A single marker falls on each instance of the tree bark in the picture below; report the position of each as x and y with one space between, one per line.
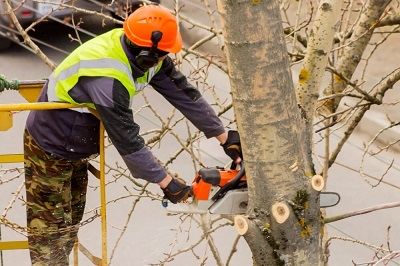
271 130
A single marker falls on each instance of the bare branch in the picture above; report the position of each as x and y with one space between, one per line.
363 211
26 37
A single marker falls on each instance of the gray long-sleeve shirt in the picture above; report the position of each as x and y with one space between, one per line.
73 135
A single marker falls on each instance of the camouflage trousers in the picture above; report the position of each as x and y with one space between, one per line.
56 197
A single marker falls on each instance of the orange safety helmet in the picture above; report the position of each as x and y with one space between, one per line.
140 25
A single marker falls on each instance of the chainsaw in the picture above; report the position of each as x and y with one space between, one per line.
217 190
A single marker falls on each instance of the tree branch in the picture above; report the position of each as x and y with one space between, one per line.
363 211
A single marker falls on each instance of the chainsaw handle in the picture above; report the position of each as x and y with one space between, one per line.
231 184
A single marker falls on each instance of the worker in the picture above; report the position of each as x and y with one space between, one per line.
104 74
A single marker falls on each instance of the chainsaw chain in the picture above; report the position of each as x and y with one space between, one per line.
31 231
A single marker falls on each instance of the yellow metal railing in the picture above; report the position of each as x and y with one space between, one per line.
9 245
30 91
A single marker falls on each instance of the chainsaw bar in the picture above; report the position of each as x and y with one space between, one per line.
235 202
328 199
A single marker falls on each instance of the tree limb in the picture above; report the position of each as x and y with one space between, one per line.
363 211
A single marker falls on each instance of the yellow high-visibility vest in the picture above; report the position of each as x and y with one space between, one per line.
102 56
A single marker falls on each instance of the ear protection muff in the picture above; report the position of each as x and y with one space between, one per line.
148 58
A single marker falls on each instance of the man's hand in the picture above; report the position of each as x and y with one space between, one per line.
177 190
232 146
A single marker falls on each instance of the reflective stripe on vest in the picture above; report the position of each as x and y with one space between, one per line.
97 63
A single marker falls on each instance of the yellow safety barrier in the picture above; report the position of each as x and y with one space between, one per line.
9 245
6 121
30 91
11 158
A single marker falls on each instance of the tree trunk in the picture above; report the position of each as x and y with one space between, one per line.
283 218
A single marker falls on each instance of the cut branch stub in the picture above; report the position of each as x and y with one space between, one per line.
280 211
318 182
241 224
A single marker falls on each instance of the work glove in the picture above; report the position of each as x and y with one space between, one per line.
177 190
232 146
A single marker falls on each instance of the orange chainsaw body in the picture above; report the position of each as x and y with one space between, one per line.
209 177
